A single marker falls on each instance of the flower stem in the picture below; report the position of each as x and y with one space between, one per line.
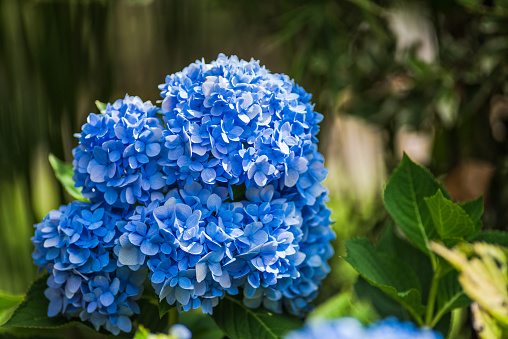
433 294
172 317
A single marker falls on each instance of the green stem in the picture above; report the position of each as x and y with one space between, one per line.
416 316
172 317
432 294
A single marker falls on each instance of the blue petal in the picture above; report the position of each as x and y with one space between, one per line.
128 255
193 219
201 271
111 196
260 179
106 299
208 175
124 323
182 295
153 149
135 239
100 155
158 277
291 177
74 283
214 202
149 248
157 181
55 306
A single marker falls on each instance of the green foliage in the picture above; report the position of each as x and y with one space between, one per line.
483 275
423 210
493 237
8 303
164 307
202 325
33 311
404 198
150 317
449 296
450 220
345 304
101 106
393 277
240 322
64 173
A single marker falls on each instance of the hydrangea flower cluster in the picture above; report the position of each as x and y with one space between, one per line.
351 328
217 191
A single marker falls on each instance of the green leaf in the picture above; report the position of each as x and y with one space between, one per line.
391 275
100 105
493 237
383 304
33 311
8 303
474 208
345 304
450 295
240 322
404 199
141 333
450 220
202 325
164 307
149 316
397 247
64 173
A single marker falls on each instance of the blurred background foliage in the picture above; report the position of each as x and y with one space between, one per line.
425 77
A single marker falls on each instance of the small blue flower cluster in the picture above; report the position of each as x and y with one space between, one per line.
218 191
75 244
351 328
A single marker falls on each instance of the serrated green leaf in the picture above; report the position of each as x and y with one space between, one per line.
33 311
450 295
240 322
383 304
450 220
474 208
493 237
404 199
100 105
64 173
392 244
392 276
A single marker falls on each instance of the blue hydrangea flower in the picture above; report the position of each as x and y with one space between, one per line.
110 299
351 328
117 160
105 299
219 191
77 238
240 122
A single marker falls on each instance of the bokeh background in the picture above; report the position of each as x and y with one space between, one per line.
425 77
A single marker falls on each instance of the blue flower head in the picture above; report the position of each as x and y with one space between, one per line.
118 158
351 328
218 191
232 122
78 237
